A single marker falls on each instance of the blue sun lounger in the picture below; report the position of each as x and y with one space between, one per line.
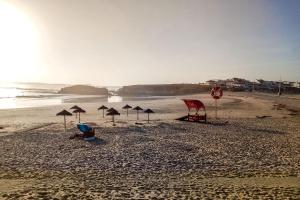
84 128
88 132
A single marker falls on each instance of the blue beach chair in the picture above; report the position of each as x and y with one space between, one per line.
88 132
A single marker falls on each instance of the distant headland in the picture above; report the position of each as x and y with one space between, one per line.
83 90
233 84
162 89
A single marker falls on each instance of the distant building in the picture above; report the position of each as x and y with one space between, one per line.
221 83
211 82
267 85
296 84
287 84
238 84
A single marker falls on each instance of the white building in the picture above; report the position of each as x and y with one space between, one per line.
296 84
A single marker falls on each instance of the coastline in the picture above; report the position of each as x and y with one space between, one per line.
234 105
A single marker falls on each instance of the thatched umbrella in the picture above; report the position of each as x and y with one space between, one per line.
113 112
103 108
79 111
148 111
127 107
137 111
109 110
75 108
64 113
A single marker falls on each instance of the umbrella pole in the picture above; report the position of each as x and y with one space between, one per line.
79 117
216 109
103 113
127 112
148 118
65 123
76 115
137 115
113 118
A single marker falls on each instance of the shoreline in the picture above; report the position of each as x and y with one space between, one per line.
233 105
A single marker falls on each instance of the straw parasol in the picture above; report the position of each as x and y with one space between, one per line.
103 108
64 113
127 107
109 110
148 111
137 111
75 108
112 113
79 111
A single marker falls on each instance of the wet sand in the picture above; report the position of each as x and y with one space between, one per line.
246 157
232 105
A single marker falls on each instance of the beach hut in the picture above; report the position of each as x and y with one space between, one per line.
148 111
137 111
64 113
112 113
127 107
79 111
103 108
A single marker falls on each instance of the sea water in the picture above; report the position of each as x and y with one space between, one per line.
27 95
24 95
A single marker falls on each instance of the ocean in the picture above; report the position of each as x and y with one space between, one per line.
24 95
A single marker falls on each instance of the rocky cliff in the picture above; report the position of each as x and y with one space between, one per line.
83 90
163 90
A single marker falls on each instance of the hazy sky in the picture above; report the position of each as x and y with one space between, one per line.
121 42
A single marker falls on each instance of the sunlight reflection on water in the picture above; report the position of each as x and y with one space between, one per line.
114 99
9 92
11 97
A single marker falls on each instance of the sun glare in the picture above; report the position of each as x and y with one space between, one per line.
18 45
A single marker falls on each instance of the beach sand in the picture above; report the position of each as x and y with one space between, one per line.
235 156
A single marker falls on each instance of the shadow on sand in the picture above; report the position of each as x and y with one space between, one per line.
214 123
217 123
268 131
97 141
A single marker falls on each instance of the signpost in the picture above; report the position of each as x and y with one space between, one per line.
216 93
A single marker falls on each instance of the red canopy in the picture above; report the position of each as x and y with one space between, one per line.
192 103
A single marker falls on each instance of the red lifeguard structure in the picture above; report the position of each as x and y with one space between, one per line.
198 106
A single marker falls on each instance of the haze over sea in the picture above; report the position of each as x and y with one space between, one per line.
24 95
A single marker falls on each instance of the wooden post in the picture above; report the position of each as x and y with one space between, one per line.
216 108
279 88
65 123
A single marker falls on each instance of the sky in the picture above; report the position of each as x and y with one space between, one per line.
125 42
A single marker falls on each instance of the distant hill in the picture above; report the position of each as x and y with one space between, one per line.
163 89
83 90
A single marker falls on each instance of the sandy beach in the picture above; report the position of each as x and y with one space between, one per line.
251 151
